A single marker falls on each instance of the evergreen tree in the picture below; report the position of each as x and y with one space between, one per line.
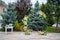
36 22
36 6
9 15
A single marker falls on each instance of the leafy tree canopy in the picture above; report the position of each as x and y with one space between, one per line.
23 8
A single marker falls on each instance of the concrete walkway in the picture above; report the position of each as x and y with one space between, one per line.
33 36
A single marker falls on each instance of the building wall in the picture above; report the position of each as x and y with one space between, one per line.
1 9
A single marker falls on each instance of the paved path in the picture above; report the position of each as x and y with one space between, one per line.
33 36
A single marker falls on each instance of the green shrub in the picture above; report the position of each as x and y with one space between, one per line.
50 21
18 26
26 30
42 32
52 29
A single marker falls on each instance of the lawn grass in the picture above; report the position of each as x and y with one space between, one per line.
51 29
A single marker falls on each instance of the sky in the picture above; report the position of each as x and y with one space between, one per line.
33 1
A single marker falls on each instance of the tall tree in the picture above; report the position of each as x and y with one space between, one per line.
56 4
36 22
23 8
9 15
48 9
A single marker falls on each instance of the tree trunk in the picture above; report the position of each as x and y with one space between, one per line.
57 24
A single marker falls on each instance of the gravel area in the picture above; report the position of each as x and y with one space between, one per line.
33 36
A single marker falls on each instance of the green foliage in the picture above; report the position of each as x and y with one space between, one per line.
59 20
18 26
54 2
46 7
42 33
35 22
53 7
43 15
9 15
26 30
50 21
21 22
56 5
49 15
52 29
36 6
